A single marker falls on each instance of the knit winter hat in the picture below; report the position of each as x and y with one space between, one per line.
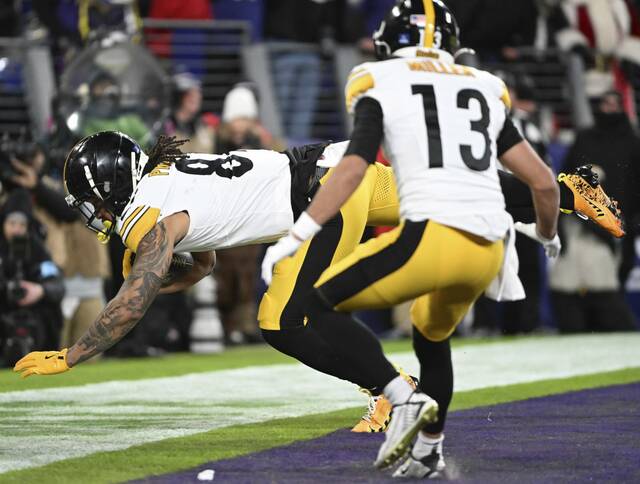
240 102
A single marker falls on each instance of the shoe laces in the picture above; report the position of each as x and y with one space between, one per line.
371 405
410 407
594 193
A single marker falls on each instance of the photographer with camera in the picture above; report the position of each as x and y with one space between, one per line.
22 165
31 285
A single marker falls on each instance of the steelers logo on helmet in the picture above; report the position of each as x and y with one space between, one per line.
426 24
100 174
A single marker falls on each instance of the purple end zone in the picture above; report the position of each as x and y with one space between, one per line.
590 435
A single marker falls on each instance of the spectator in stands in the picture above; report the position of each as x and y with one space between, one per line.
187 119
296 69
519 316
84 281
159 41
241 127
587 293
179 9
104 111
236 270
524 316
606 35
66 236
99 17
60 19
31 286
73 23
49 206
495 27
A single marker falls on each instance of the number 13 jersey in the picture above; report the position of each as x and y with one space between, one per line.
236 199
441 122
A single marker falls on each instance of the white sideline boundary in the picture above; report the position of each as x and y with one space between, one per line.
43 426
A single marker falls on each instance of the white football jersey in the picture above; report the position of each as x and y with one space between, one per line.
441 123
235 199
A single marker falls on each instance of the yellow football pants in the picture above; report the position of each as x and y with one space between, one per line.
374 202
445 268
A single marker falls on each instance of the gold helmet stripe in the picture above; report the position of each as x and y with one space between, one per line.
430 22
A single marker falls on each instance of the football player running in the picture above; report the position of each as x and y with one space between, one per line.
444 126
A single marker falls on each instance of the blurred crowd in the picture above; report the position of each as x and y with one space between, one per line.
55 275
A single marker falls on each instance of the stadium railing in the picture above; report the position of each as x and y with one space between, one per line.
27 86
210 50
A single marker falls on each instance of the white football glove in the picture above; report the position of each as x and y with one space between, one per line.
285 247
304 228
552 247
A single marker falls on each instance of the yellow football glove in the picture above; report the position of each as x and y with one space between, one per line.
43 363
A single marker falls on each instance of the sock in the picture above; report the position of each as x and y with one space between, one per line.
424 445
398 391
436 375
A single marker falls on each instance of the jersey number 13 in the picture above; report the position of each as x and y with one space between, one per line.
433 127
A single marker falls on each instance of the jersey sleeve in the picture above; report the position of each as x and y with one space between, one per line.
504 95
137 221
497 87
359 84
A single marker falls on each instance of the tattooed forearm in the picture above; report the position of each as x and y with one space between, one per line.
136 294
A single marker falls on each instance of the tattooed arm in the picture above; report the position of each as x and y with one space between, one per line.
124 311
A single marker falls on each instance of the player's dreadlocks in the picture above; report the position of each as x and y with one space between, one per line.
166 150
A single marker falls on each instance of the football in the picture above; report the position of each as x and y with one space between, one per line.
181 263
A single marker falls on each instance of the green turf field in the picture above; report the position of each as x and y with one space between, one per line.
112 421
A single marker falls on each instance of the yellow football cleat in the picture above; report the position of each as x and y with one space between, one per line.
378 415
591 202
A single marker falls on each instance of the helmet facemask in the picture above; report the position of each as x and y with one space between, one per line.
91 203
89 213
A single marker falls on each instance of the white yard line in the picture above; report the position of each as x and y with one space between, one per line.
42 426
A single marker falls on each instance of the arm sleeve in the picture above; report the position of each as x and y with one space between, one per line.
367 130
509 137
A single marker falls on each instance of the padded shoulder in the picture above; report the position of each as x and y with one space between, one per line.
360 81
136 223
498 87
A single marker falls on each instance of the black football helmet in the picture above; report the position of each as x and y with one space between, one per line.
417 23
102 171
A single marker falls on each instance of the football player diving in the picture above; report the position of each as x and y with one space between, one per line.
444 126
